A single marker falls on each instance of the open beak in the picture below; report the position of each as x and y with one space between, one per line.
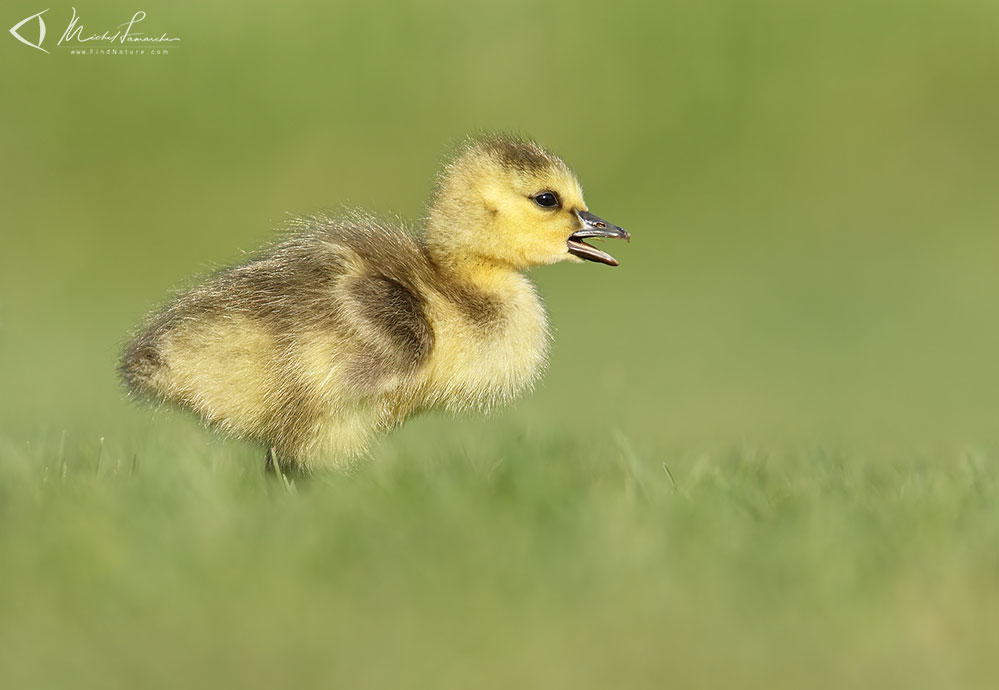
594 226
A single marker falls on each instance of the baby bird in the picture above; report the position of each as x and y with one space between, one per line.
349 326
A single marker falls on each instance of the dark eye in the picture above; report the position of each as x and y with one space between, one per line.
546 199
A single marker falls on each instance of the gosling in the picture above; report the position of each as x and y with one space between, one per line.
349 326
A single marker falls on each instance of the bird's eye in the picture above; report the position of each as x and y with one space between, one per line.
546 199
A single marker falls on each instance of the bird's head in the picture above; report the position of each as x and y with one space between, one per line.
508 202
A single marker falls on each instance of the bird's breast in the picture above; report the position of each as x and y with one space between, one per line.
479 363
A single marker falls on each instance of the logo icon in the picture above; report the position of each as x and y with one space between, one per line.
41 31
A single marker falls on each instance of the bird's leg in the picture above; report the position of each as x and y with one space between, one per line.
285 475
271 462
273 469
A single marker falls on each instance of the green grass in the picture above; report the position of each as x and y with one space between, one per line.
501 558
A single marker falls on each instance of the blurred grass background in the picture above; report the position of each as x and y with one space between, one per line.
811 189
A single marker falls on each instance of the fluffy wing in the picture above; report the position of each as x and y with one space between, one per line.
331 315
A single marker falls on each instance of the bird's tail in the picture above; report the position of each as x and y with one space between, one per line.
139 364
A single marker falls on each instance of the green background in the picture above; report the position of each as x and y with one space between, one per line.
804 330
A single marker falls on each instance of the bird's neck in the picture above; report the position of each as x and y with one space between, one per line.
480 280
462 265
487 291
453 238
